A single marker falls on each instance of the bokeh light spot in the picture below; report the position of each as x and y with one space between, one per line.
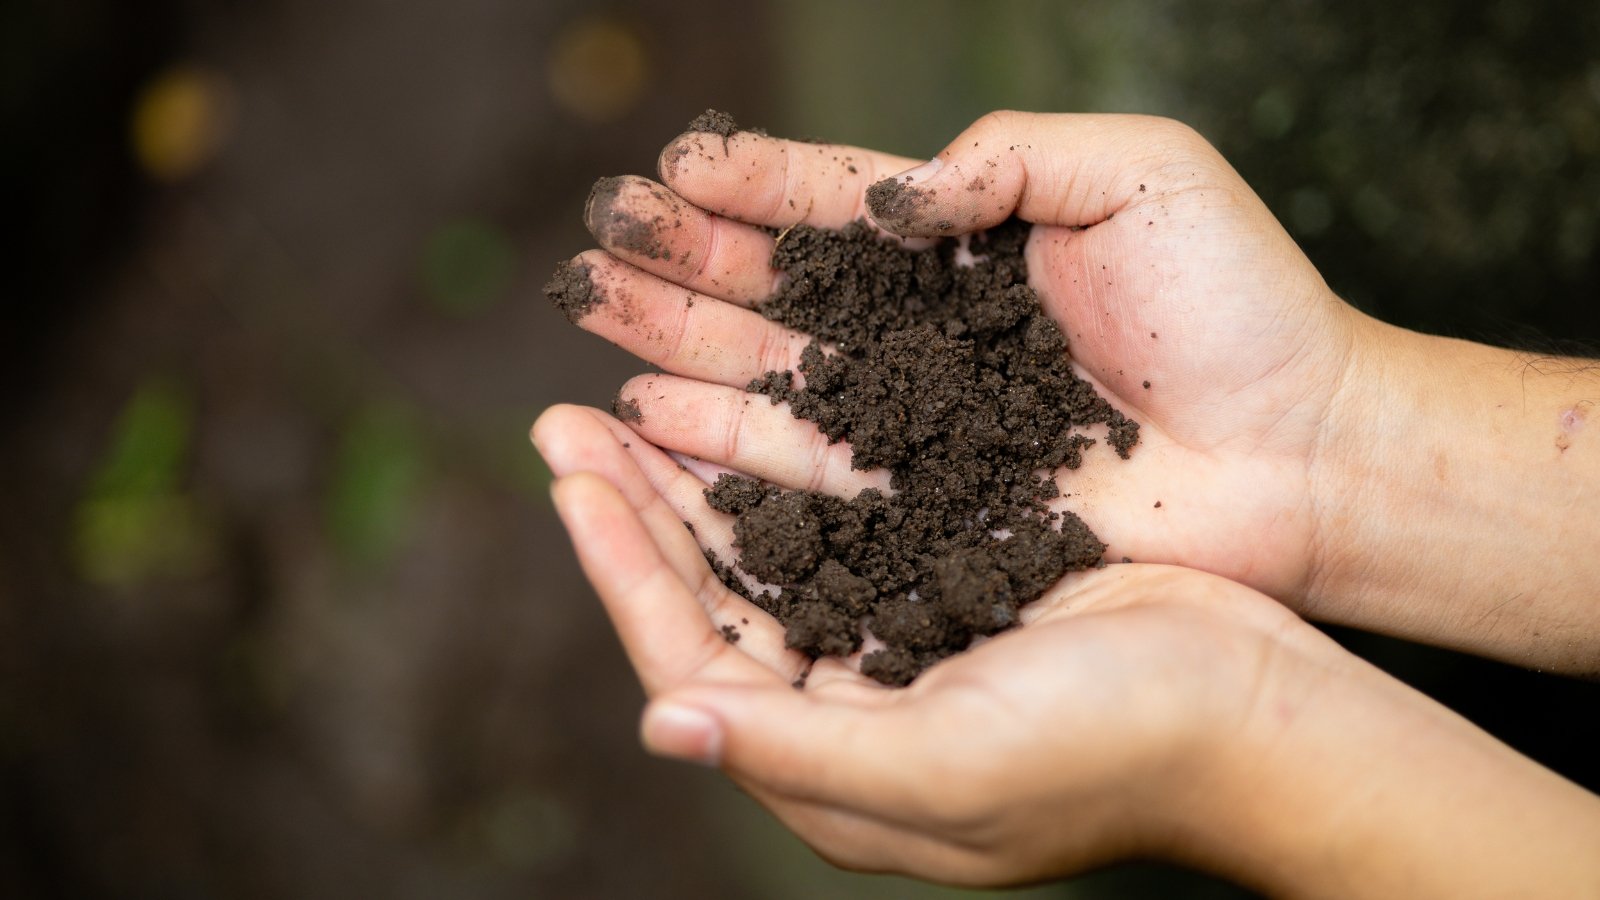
372 497
1273 113
1310 212
134 521
598 69
467 266
180 120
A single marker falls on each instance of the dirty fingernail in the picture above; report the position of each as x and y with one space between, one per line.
682 732
602 200
899 202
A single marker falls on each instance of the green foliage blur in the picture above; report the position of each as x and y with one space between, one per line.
136 519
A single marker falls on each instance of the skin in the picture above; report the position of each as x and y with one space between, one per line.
1307 458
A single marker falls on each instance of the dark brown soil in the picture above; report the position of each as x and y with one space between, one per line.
954 380
626 409
572 291
714 122
720 124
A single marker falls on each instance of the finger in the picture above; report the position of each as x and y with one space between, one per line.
664 324
647 225
769 181
861 756
859 843
668 637
748 433
575 438
1068 170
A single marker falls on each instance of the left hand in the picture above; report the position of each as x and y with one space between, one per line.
1101 728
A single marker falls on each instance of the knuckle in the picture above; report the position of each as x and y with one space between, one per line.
782 188
997 121
1178 135
773 350
733 432
818 453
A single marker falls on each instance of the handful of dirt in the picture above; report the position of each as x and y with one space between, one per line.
950 376
953 379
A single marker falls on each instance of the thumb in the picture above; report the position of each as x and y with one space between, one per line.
1050 169
842 754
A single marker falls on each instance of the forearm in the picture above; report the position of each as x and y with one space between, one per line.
1352 785
1459 494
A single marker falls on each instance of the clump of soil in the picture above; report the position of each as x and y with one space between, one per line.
714 122
954 380
626 409
572 291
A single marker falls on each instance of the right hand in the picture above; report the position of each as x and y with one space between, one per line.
1156 259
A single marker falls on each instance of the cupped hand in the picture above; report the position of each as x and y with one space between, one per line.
1182 299
1106 726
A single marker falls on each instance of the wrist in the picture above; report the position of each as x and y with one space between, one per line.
1364 421
1445 467
1346 783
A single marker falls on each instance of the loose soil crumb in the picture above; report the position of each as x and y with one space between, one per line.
957 383
730 634
721 124
626 409
572 291
714 122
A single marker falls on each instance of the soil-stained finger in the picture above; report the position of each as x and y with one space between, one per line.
644 223
774 182
745 432
575 438
670 326
668 636
579 439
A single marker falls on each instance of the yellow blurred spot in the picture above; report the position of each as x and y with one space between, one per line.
598 69
180 121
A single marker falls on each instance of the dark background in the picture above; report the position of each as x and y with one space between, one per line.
284 609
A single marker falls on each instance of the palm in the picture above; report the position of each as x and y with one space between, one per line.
1176 310
1102 673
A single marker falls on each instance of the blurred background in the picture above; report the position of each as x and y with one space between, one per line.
284 609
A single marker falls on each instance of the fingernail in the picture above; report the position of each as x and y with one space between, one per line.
919 174
899 202
602 196
682 732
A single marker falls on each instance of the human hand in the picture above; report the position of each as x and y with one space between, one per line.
1155 258
1139 710
1086 735
1352 470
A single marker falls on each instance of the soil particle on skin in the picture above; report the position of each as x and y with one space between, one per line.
626 409
714 122
953 380
896 204
619 228
720 124
572 290
730 634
